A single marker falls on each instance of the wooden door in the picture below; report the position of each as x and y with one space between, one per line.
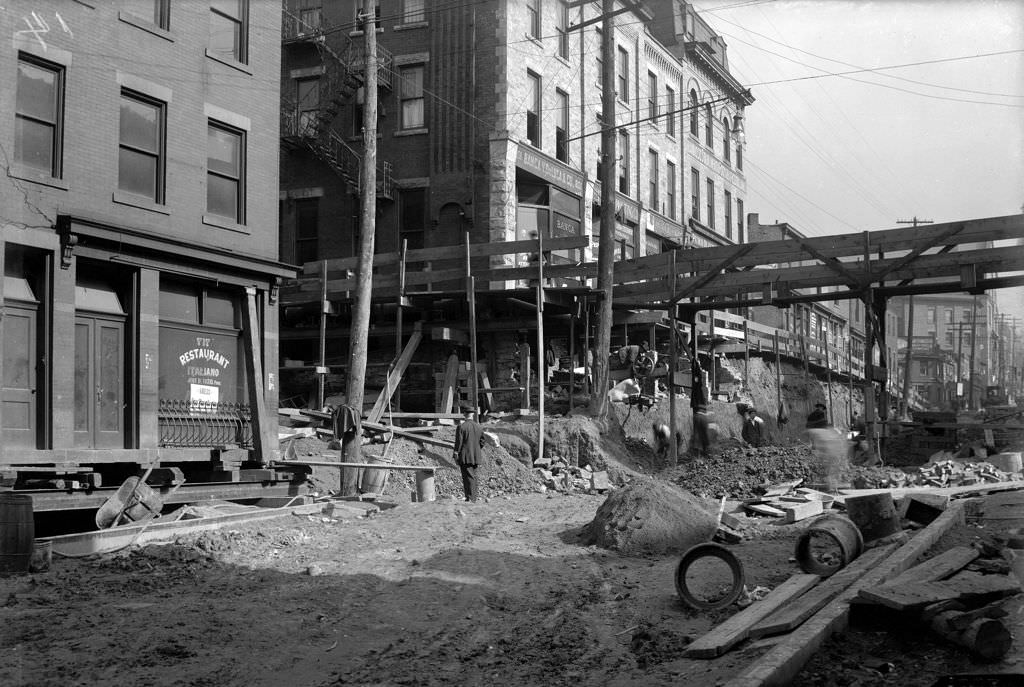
20 346
99 382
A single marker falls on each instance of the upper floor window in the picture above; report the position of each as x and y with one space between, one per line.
726 147
652 97
739 220
670 112
156 11
229 29
652 172
310 19
563 31
930 315
709 127
694 110
727 216
622 74
711 203
307 232
225 171
307 94
533 18
948 315
413 11
670 189
695 193
38 115
411 95
141 156
739 155
533 109
562 127
623 162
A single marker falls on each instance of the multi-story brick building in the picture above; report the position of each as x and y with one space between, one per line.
489 125
140 153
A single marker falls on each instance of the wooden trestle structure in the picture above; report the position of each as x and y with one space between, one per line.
676 285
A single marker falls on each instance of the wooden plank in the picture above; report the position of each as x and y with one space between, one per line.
802 511
485 382
395 374
939 567
408 435
380 466
763 509
793 615
917 595
449 387
263 437
737 628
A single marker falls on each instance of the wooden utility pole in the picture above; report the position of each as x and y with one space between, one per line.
974 348
360 333
606 252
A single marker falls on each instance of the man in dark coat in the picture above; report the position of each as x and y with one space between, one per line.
753 428
818 419
469 444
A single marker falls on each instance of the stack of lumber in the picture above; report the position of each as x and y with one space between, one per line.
791 502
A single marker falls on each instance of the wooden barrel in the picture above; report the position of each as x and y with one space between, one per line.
830 543
874 514
17 532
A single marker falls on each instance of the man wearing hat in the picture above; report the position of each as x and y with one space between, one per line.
818 419
753 428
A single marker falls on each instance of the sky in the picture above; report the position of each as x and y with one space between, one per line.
836 154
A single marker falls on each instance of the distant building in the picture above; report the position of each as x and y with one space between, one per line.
139 239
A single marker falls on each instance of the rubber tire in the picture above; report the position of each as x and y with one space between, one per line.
709 550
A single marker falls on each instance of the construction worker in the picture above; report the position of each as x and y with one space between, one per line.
469 444
753 428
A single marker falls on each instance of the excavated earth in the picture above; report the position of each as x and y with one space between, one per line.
515 589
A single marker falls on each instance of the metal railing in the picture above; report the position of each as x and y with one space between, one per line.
201 424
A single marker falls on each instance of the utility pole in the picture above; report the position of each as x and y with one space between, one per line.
910 328
360 333
606 253
974 347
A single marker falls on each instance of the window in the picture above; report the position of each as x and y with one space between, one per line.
307 221
652 97
695 194
412 11
694 110
670 103
727 218
533 18
140 168
411 95
623 75
563 33
711 203
726 147
156 11
310 20
412 218
652 174
562 127
307 96
930 315
670 189
229 29
38 118
948 314
709 127
739 220
739 155
533 109
623 162
225 172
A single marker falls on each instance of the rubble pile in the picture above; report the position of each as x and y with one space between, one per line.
740 473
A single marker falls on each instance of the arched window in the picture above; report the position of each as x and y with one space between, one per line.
726 148
709 127
693 112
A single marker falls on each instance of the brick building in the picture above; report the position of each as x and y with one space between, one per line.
489 123
140 251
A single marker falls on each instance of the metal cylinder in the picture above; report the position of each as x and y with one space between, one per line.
829 543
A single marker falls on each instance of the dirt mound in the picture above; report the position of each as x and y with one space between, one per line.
740 473
649 516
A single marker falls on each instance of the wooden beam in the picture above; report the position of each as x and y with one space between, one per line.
854 281
262 437
394 376
713 273
942 237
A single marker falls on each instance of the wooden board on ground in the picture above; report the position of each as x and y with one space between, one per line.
939 567
782 488
762 509
793 614
916 595
737 628
801 511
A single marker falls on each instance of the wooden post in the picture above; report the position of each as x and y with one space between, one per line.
673 357
907 357
712 377
360 333
778 370
586 347
974 348
746 355
542 371
572 351
399 315
524 375
264 441
828 380
849 367
474 386
321 373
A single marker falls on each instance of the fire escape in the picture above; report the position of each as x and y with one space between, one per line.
308 112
